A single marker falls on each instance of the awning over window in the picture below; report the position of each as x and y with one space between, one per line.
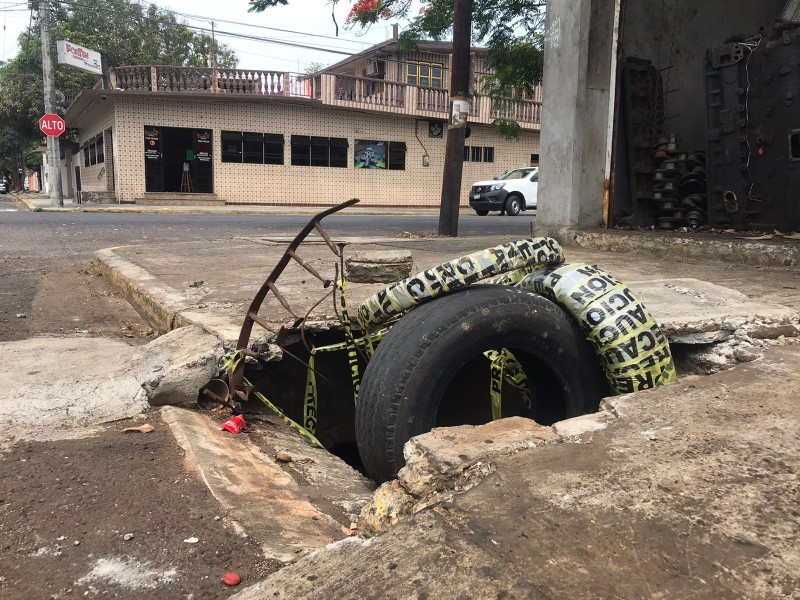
253 137
273 138
340 143
320 141
233 136
301 140
397 146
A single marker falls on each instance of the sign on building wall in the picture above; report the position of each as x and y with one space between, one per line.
202 145
370 154
79 57
152 149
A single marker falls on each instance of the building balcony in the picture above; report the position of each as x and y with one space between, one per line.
346 91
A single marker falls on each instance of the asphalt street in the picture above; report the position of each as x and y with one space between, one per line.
45 258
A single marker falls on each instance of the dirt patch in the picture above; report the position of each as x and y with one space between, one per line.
67 507
63 297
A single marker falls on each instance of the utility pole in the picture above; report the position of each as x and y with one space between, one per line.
53 146
456 132
214 75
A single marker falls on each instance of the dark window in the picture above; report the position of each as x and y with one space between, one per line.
466 153
86 155
339 152
301 150
232 146
488 154
397 156
794 144
273 149
101 153
253 148
320 151
93 152
476 154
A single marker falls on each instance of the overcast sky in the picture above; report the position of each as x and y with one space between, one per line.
310 17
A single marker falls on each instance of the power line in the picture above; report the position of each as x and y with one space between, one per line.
75 3
265 27
244 36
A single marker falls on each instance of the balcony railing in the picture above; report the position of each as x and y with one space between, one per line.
327 88
524 111
203 80
370 92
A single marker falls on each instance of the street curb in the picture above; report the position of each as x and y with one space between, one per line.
740 251
25 202
227 210
160 305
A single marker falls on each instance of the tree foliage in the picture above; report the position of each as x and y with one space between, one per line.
511 30
127 33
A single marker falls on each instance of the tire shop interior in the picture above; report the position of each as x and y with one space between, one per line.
708 115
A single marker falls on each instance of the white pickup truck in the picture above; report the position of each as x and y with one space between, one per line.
510 193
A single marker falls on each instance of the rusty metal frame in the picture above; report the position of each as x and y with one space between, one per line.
238 390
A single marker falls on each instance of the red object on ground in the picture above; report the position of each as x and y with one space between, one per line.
234 424
231 579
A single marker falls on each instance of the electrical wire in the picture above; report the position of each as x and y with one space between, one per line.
751 46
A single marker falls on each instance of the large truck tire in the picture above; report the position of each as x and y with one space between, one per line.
416 364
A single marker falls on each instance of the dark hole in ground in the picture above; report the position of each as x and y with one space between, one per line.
466 401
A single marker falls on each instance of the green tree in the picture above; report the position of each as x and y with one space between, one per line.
511 30
127 34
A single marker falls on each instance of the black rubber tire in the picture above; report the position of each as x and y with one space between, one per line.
405 381
513 205
482 213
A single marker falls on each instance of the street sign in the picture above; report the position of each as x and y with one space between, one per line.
79 57
52 125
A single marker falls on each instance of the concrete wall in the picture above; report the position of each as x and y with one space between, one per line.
685 29
291 185
576 97
95 178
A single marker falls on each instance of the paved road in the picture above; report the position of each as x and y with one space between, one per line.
45 257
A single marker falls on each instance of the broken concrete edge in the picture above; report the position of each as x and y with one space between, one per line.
158 304
741 251
162 306
446 462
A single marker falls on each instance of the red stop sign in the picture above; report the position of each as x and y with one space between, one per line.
52 125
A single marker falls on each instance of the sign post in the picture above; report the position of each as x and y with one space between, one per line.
52 125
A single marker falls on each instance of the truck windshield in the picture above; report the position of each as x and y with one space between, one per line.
517 174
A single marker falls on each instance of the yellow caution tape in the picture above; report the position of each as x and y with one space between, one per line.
310 398
456 274
634 352
504 365
352 352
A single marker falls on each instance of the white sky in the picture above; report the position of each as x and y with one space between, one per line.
312 17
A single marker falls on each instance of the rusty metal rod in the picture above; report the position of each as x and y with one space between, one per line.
274 289
327 238
303 263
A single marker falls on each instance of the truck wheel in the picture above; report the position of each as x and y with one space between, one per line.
425 373
513 205
482 213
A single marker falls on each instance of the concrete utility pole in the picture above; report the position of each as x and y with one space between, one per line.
459 92
53 150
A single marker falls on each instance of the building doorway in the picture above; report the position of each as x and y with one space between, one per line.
178 160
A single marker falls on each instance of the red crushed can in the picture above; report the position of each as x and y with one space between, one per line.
234 424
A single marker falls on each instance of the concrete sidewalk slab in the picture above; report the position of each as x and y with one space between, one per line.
211 285
56 388
261 498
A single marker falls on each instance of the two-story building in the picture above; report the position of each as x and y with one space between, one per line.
372 126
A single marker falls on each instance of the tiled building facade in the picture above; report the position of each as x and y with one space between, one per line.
147 133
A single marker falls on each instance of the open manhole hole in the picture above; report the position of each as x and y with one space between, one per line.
544 340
